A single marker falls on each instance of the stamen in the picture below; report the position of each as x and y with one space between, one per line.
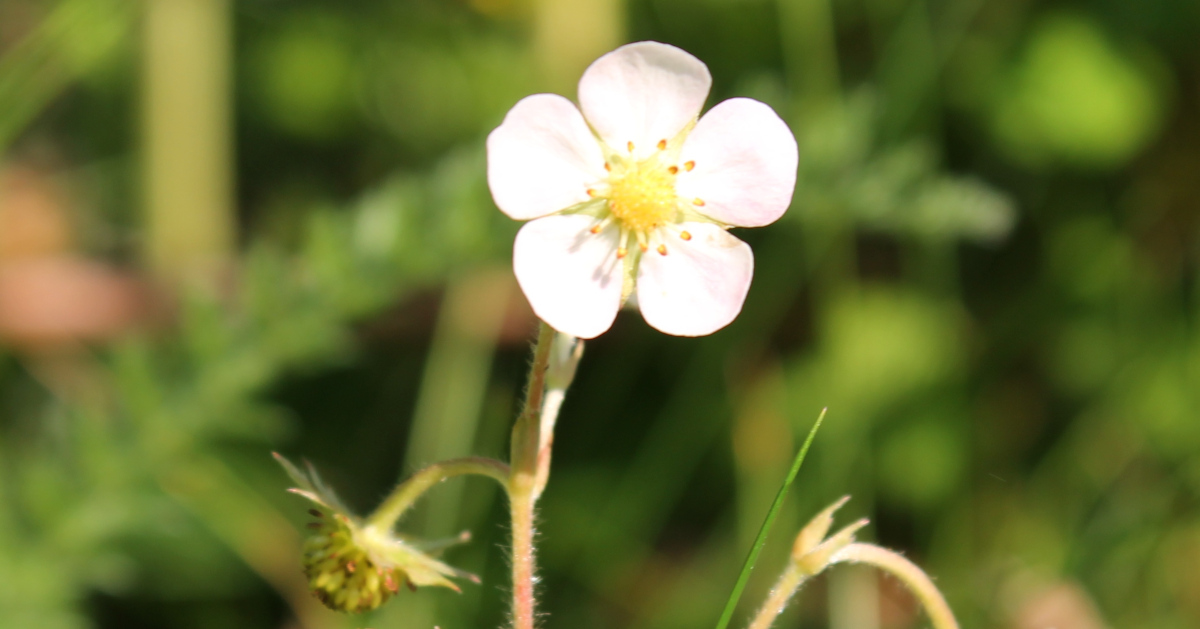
608 167
630 145
591 193
689 165
662 250
662 144
601 225
641 238
673 170
698 202
621 252
622 249
685 235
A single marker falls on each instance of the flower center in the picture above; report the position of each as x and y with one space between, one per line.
642 195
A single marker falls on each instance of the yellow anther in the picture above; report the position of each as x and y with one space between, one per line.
642 195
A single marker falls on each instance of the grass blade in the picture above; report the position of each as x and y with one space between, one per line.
761 540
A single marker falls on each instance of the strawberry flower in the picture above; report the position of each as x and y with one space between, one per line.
636 194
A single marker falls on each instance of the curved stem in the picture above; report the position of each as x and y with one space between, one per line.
406 493
783 591
917 581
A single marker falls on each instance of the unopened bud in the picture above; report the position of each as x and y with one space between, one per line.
816 560
816 529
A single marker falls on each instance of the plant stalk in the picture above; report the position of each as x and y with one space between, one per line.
523 483
917 581
783 591
409 491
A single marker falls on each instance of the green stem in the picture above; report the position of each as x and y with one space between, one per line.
409 491
783 591
917 581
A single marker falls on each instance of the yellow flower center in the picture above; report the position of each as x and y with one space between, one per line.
642 195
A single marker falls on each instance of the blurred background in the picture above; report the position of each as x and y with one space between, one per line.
235 226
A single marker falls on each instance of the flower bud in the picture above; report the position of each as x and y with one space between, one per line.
813 552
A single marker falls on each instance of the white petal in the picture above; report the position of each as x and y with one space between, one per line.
571 276
643 93
745 164
542 158
699 286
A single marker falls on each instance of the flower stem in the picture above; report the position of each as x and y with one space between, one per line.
523 483
917 581
521 503
790 581
406 493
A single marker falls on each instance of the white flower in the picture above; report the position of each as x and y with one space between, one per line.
635 191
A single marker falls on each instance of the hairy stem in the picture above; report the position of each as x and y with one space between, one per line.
917 581
522 482
790 581
407 493
521 503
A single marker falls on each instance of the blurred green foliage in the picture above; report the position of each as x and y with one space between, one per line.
989 275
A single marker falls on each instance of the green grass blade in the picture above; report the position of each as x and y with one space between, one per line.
761 540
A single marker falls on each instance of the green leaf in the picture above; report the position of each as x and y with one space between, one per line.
761 540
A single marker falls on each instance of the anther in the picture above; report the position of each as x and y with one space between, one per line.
608 166
673 170
662 144
689 165
644 246
630 145
596 229
685 235
698 202
591 193
662 250
621 252
351 567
